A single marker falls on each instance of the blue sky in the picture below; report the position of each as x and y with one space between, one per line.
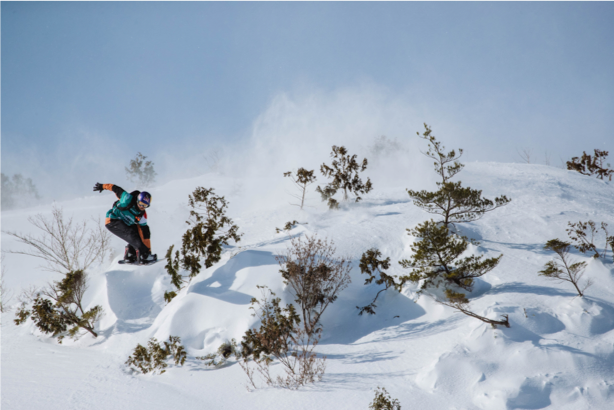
114 78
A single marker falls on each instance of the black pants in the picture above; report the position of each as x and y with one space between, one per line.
129 234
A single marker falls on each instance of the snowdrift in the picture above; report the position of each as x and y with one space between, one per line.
557 354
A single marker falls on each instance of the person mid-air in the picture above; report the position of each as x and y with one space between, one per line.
128 220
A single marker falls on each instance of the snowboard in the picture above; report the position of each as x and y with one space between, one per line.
123 262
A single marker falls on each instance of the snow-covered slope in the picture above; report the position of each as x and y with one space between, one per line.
557 354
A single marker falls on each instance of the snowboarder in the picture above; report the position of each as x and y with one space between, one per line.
128 220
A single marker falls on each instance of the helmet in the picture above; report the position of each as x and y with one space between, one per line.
144 197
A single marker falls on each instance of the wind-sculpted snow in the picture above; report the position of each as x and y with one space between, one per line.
557 354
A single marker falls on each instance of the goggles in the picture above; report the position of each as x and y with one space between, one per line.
142 204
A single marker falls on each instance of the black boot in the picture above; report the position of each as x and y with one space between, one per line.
145 258
129 254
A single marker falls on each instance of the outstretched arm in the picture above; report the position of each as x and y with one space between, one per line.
109 187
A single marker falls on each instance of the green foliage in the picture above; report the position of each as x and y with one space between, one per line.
344 172
141 171
168 296
370 264
584 233
154 357
276 335
315 275
383 401
280 337
453 202
591 165
22 314
224 352
563 270
18 191
58 310
302 180
172 267
209 230
436 259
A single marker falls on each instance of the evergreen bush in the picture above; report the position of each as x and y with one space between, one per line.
154 357
563 270
209 230
141 172
18 191
383 401
437 261
370 263
344 172
591 165
583 234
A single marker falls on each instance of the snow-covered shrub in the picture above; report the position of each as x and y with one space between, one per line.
18 191
302 180
224 352
315 275
452 201
153 358
383 401
58 308
210 228
436 261
591 165
564 271
344 172
141 172
583 234
370 263
282 338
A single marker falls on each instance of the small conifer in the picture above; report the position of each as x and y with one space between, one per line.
436 259
452 201
209 230
141 171
383 401
583 234
302 180
153 358
370 263
563 270
591 165
344 172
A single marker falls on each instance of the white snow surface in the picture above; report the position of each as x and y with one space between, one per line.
557 354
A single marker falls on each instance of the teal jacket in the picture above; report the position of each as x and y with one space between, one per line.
131 215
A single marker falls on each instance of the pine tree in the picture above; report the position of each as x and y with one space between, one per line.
141 171
591 165
344 172
209 230
564 270
302 180
436 261
370 263
452 201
